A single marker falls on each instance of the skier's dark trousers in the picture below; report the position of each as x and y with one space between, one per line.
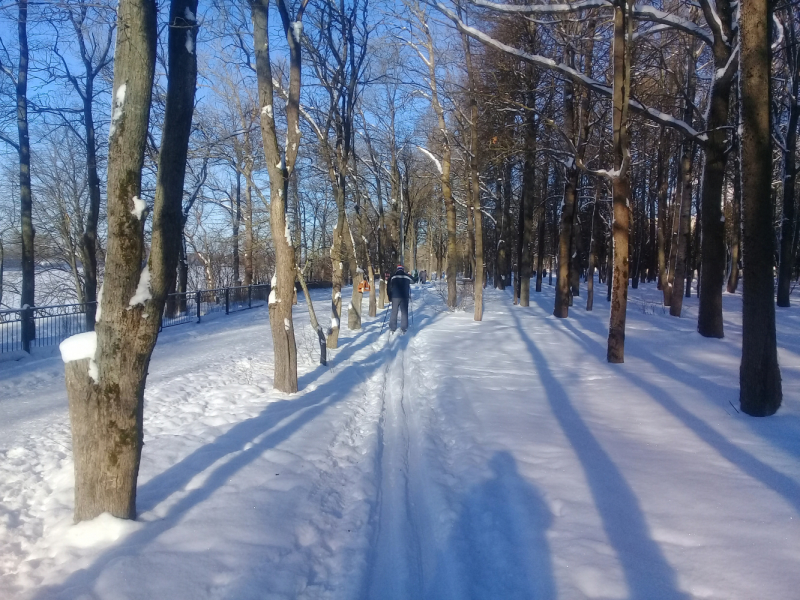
399 291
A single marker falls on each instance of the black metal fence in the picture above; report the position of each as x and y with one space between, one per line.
192 306
39 326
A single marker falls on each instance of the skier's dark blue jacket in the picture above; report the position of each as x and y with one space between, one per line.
399 286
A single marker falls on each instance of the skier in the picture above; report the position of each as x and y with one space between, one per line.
399 292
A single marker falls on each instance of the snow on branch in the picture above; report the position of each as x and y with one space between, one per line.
640 13
433 158
576 76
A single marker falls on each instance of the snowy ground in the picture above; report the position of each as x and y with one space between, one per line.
503 459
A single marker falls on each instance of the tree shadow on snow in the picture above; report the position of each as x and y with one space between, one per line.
500 540
238 447
648 574
752 466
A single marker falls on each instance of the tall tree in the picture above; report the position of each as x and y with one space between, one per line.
760 390
106 370
94 52
620 179
22 145
280 164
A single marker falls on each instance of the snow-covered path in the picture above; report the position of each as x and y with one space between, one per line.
502 459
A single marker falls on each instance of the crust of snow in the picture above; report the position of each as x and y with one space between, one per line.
139 207
117 109
99 304
78 347
142 293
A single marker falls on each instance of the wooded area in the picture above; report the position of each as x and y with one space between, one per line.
596 141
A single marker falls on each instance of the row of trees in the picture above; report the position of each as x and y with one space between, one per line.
483 140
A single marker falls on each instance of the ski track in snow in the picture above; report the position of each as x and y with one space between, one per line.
502 459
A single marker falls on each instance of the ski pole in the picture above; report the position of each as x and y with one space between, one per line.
411 306
386 314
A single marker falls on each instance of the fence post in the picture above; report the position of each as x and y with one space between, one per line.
25 328
199 298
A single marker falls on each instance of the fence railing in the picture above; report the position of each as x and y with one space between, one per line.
192 306
39 326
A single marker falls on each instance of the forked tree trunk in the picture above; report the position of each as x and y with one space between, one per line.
760 391
280 164
106 388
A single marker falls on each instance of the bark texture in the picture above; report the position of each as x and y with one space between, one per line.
760 391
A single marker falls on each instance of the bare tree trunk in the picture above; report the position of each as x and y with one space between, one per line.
541 242
338 257
450 211
711 222
620 182
357 275
469 267
562 298
27 297
323 355
736 225
106 385
663 222
527 204
684 233
786 262
280 165
683 238
236 215
760 391
505 228
592 255
249 241
475 186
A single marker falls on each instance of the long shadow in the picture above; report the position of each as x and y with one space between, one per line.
648 574
500 539
244 443
789 438
777 481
